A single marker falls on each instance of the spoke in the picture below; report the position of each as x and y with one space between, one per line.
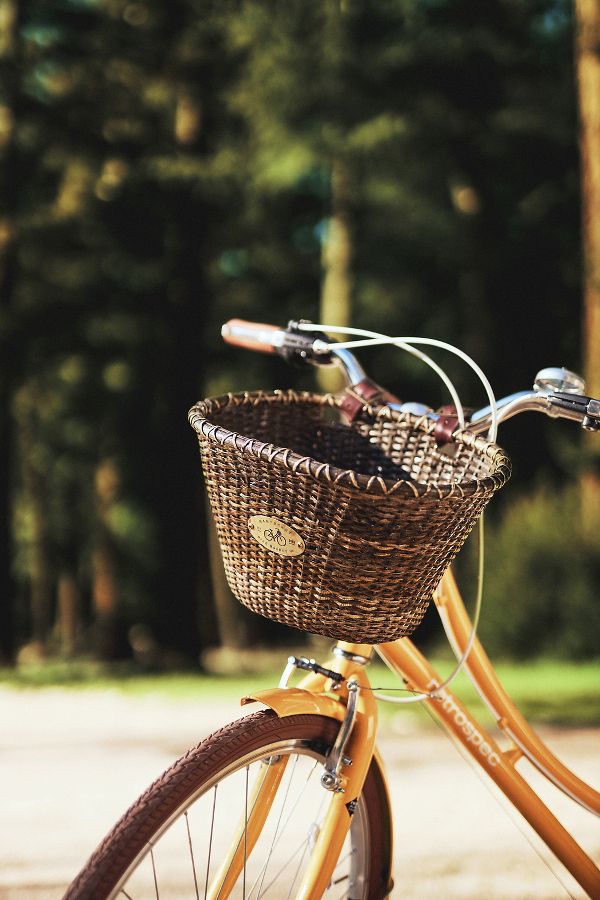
299 798
306 845
256 801
277 839
212 827
245 833
125 894
339 863
302 846
337 881
342 861
210 840
154 872
273 842
289 818
187 825
298 867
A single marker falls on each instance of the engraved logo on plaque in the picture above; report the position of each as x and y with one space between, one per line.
276 536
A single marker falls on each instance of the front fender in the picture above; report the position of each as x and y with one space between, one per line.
296 701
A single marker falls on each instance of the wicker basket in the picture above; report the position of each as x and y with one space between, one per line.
340 530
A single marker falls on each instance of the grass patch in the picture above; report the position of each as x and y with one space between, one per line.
546 691
127 678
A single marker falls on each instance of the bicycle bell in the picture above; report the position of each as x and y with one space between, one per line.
559 379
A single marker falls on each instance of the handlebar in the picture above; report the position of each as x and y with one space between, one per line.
557 392
556 404
253 335
287 342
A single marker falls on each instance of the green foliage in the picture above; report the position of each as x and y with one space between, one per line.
542 577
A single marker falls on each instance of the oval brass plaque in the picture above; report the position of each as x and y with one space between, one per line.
275 535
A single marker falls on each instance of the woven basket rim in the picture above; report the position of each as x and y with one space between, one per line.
199 418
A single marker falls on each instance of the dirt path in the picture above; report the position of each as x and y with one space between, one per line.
71 762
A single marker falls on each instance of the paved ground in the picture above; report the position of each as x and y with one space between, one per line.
71 762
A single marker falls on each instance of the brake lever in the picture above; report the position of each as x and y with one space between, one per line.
591 421
578 406
300 344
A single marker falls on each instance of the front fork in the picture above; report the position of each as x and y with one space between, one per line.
339 690
346 765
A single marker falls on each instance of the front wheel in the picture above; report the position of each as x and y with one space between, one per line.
237 816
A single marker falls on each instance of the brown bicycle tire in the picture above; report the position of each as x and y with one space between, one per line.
202 764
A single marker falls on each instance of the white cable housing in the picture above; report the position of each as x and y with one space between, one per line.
371 339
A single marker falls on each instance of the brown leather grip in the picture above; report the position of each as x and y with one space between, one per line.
252 335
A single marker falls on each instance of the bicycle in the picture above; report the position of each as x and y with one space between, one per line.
292 800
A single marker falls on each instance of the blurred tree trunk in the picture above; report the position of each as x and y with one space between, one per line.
68 612
41 578
7 586
105 587
185 624
7 648
335 307
336 286
9 186
68 616
588 81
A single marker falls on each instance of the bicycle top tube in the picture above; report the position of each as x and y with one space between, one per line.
557 392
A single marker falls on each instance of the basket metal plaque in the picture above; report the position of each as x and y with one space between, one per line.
274 535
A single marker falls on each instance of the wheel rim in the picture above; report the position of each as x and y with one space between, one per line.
183 856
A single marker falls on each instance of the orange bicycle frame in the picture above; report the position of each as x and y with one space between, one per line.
500 764
404 658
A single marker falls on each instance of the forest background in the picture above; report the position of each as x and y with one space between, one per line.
411 166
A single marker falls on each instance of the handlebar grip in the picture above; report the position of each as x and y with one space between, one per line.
253 335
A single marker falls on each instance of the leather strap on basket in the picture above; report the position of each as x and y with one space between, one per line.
368 391
365 391
446 424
